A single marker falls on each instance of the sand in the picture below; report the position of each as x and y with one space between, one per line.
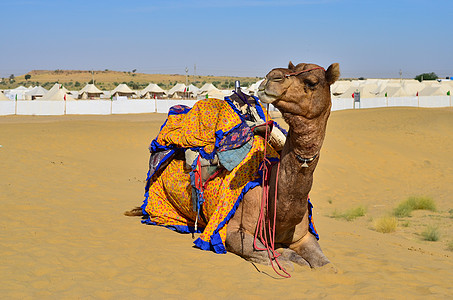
66 181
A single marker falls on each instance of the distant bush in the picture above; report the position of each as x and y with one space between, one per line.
431 234
426 76
351 214
77 84
386 224
405 208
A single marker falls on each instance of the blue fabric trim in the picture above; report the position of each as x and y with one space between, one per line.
261 114
145 202
148 182
311 228
230 103
260 169
205 154
155 146
259 109
216 244
177 228
172 111
166 157
281 128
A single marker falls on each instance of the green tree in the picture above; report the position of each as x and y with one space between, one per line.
76 84
426 76
27 77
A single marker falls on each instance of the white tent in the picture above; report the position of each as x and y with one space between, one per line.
35 93
340 87
18 93
193 91
152 90
218 94
412 86
123 90
90 91
57 94
56 87
434 90
207 87
394 89
367 89
178 90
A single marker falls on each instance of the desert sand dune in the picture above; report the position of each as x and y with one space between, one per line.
66 181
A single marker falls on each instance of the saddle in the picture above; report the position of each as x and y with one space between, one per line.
230 150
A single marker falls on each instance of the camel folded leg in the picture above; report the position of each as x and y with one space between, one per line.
308 248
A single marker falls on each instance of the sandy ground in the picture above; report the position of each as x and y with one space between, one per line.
66 181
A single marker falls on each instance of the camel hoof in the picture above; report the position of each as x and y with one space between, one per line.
329 268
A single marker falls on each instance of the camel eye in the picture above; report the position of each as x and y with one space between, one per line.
277 78
311 83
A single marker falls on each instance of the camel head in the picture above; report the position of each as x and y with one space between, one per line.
302 90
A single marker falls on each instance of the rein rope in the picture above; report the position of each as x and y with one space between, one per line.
267 235
304 71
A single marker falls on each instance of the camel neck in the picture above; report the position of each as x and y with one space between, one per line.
305 139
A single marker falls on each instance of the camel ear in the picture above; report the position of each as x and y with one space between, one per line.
291 66
333 73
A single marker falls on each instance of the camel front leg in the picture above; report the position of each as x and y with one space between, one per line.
240 242
308 247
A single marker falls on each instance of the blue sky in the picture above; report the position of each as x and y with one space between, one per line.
373 39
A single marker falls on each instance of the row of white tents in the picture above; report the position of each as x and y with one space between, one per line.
375 88
369 88
122 91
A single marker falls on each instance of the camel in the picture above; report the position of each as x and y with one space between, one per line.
302 94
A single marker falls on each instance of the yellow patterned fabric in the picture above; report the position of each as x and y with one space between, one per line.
170 204
198 127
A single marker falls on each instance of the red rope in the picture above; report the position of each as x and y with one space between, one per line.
303 71
263 219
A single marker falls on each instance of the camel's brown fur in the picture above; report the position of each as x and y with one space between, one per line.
304 101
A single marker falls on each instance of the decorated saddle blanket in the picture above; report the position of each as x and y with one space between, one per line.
176 195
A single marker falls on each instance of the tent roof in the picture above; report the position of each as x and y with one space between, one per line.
152 88
193 89
218 94
38 90
207 87
434 90
123 88
339 87
91 89
179 87
58 86
20 88
57 94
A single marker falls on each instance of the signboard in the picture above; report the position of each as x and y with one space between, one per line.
356 98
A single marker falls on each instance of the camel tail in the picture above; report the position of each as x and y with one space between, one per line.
135 212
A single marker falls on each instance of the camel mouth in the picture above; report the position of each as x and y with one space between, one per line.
266 98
